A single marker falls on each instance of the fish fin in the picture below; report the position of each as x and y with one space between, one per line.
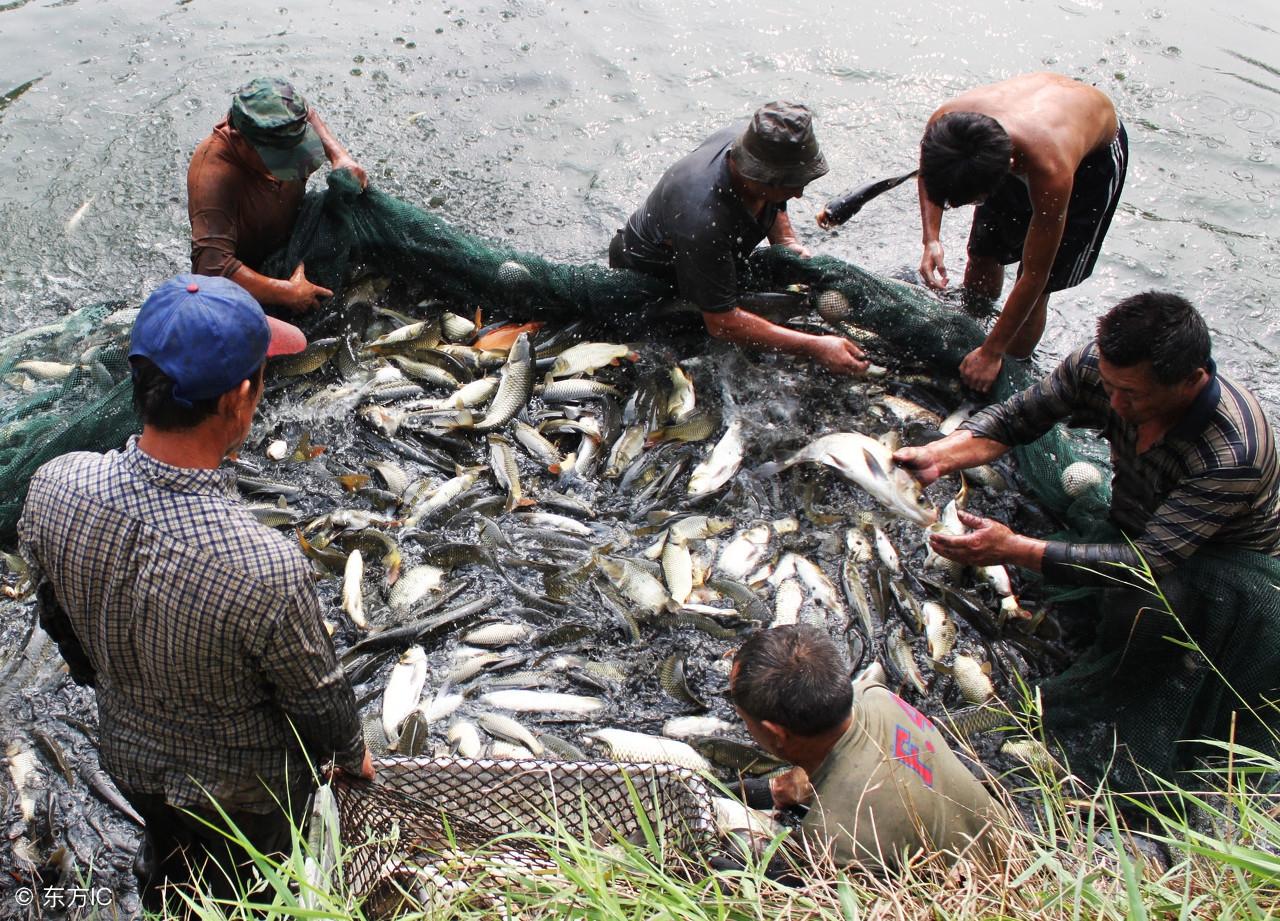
554 468
773 468
525 502
874 465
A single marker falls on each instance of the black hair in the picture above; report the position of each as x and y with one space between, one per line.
793 676
1159 327
963 156
154 403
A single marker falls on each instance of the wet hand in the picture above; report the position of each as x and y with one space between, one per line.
980 368
790 788
921 463
797 247
825 222
301 294
356 170
839 355
987 543
932 269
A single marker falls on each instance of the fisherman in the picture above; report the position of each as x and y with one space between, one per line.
217 684
1193 455
708 212
245 187
878 777
1044 157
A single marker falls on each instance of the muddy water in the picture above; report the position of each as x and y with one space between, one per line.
543 125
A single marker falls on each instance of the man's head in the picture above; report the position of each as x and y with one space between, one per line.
1153 355
778 151
791 687
272 116
963 157
197 351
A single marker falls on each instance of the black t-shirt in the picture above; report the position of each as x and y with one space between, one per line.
695 229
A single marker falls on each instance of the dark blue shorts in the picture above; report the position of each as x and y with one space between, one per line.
1000 223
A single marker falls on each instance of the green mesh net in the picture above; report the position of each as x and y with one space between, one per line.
1230 601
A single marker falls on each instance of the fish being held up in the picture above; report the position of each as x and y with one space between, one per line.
868 464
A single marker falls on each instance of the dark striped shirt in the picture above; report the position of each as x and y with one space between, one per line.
202 626
1212 478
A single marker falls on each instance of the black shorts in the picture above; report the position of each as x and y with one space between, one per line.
1000 223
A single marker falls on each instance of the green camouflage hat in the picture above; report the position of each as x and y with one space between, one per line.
272 116
779 148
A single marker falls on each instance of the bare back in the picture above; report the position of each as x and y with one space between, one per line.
1053 121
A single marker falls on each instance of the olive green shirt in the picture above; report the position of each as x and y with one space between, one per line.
891 785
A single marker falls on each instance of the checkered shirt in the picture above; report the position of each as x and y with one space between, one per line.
202 625
1212 478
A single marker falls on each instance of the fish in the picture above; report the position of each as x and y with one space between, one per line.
425 371
542 702
939 629
639 748
393 476
696 427
625 450
456 328
22 771
973 720
971 676
414 735
948 523
868 464
887 553
745 553
1034 754
504 727
677 569
501 337
74 221
721 464
441 705
465 739
423 334
744 759
403 690
352 597
498 634
856 596
560 748
412 587
899 649
539 448
820 590
577 389
314 357
586 357
430 502
515 386
635 583
681 402
502 461
699 527
690 727
998 578
674 680
788 598
45 370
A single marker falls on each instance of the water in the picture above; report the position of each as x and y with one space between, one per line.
543 126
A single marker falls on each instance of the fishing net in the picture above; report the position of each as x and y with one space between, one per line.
344 232
438 826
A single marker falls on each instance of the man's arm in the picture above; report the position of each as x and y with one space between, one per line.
310 687
782 233
333 149
932 269
835 353
958 451
1049 199
55 622
296 294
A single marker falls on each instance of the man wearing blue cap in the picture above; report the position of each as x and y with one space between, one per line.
245 186
198 626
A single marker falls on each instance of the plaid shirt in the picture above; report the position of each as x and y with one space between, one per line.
201 625
1212 478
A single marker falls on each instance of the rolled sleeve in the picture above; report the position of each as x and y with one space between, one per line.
310 686
1188 518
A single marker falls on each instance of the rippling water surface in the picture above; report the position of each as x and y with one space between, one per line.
544 124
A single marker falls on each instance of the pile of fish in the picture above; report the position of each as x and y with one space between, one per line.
537 542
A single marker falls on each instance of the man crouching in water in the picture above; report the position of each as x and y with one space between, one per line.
880 780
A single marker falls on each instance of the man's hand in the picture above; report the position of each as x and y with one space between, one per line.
790 788
839 355
301 295
797 247
921 463
356 170
366 768
980 368
825 222
987 543
932 269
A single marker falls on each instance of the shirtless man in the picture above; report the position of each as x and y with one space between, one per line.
1044 157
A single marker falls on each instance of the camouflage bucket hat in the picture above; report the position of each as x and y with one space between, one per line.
272 116
779 148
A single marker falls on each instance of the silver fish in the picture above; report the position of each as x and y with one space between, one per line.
499 634
504 727
939 629
721 465
899 649
352 596
465 739
681 402
692 727
541 702
502 461
677 570
635 583
515 386
586 357
413 586
868 464
404 689
637 747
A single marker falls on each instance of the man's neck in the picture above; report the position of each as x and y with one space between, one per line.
810 752
1153 431
196 448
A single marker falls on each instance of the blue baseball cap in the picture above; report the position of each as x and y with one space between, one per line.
208 334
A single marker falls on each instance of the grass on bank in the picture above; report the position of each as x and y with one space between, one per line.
1073 854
